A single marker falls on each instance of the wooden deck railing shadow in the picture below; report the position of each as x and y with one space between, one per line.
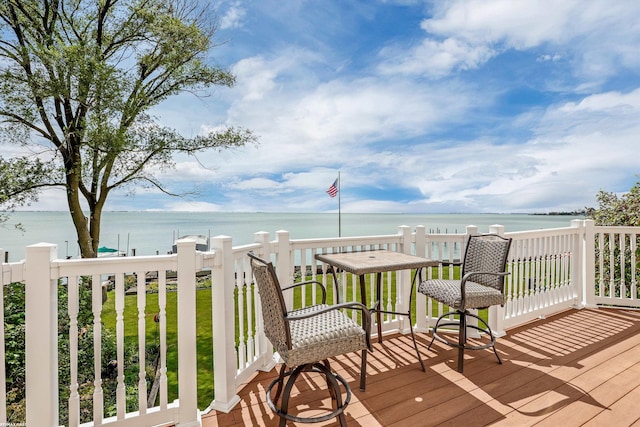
553 358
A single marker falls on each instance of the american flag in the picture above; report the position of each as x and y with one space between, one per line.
333 190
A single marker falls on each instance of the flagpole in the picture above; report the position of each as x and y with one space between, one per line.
339 209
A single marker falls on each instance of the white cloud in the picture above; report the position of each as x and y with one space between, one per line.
233 17
255 78
256 184
549 57
616 101
435 58
465 34
517 24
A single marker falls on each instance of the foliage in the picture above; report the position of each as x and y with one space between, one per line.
621 210
614 210
77 81
14 317
14 329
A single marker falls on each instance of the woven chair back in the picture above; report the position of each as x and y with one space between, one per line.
272 302
487 253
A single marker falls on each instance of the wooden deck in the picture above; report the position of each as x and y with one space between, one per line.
580 367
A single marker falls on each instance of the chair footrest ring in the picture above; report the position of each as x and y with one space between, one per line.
318 368
467 347
485 330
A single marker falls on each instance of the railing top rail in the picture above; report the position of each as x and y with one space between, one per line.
616 229
12 272
348 241
542 232
88 266
245 248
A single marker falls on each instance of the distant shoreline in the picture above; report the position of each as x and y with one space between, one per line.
574 213
563 213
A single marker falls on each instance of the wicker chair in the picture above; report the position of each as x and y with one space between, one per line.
306 338
481 286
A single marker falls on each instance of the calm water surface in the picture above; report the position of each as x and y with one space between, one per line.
154 232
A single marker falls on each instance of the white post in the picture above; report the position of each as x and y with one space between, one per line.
73 309
223 318
421 250
496 312
3 373
187 361
41 321
472 230
585 266
405 280
284 269
265 346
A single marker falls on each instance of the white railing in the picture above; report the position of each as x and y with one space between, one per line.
551 270
612 256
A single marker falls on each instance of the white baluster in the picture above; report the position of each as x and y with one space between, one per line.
241 289
162 303
121 397
142 363
96 307
3 373
72 304
250 316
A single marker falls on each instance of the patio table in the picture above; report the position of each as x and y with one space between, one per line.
362 263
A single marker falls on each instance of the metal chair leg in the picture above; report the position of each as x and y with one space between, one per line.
363 370
333 384
462 340
415 344
461 344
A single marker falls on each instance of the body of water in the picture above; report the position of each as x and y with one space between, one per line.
149 233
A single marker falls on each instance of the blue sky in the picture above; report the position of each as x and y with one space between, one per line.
423 107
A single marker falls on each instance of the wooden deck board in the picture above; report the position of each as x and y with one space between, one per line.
580 367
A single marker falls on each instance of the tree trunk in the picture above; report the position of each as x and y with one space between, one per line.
80 222
94 225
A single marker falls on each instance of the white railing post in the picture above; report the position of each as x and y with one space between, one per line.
496 312
223 318
187 345
578 258
41 324
587 270
405 279
265 346
3 372
283 266
421 251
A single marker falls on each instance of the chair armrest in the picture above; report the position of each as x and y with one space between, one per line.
309 282
474 273
366 316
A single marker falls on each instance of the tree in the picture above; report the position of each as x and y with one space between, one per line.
77 81
617 210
